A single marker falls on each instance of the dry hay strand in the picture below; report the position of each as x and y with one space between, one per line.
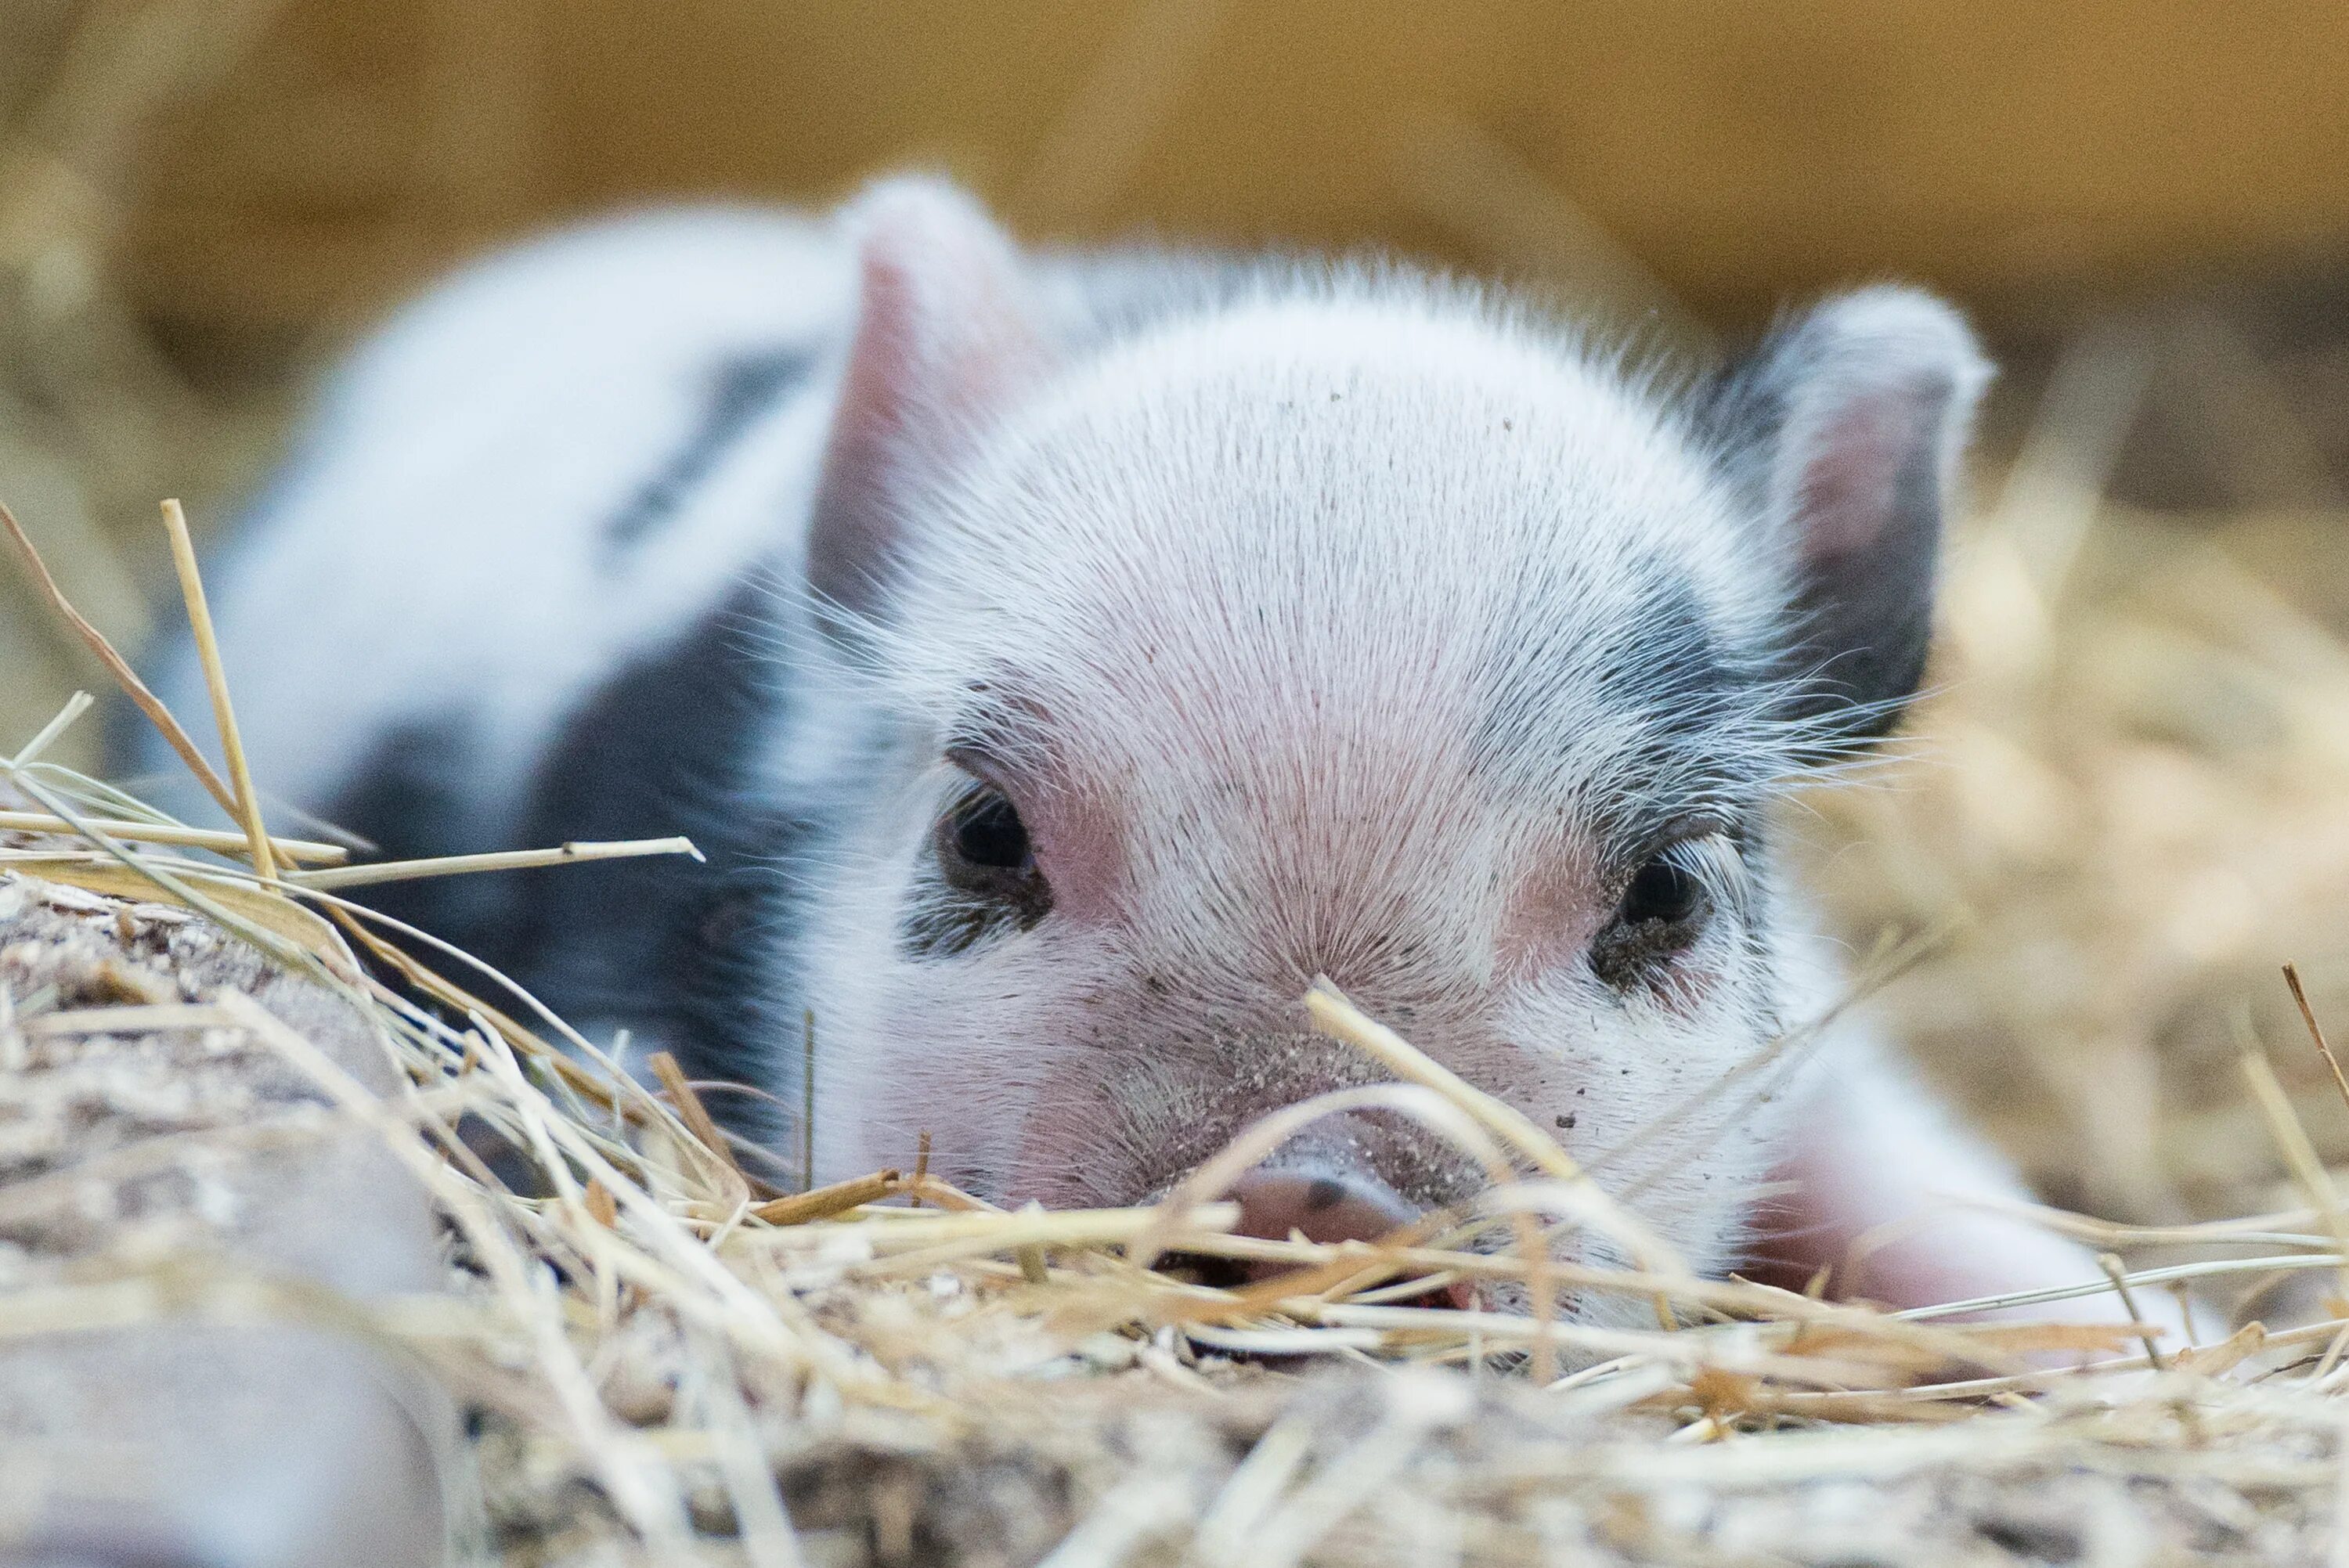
669 1359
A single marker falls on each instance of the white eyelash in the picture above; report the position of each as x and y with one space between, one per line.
1719 869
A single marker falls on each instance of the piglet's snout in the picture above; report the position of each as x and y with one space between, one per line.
1319 1206
1323 1206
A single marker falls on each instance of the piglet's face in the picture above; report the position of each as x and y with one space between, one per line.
1352 631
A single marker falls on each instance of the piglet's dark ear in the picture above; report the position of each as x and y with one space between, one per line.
947 334
1845 428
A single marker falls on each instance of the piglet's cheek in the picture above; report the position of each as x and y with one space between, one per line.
1061 1155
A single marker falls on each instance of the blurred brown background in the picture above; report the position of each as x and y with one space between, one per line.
300 158
2135 785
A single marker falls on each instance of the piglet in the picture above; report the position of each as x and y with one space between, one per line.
1065 661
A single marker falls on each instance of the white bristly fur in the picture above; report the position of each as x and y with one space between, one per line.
1318 621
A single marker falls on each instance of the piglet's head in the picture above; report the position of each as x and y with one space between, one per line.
1352 626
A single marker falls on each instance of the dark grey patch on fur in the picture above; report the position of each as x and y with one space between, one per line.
410 799
1691 697
1666 665
666 947
745 388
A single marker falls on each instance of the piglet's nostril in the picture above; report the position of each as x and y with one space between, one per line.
1274 1204
1321 1207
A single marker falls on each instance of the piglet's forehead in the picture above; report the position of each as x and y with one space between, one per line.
1311 610
1321 515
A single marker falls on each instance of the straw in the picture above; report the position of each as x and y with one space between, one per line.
246 803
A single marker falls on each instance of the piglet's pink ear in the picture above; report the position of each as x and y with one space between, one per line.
946 336
1847 428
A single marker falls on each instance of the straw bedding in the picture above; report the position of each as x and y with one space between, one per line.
961 1413
663 1358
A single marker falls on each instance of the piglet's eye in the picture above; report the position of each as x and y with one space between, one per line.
986 881
984 852
1662 910
1662 891
987 833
